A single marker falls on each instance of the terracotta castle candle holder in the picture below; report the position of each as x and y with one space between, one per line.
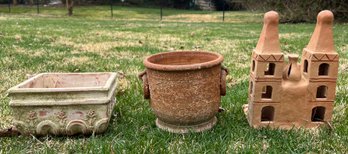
293 95
63 103
184 89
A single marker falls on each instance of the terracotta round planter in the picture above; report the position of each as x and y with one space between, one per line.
184 89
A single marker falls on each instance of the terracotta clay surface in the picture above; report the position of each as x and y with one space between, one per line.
184 89
293 95
63 103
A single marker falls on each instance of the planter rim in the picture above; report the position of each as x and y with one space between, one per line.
196 66
15 103
106 87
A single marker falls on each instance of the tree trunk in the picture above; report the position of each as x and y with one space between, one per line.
15 2
70 5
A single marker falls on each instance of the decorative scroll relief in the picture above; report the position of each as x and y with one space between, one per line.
60 123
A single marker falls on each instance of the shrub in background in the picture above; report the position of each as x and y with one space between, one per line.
231 5
295 11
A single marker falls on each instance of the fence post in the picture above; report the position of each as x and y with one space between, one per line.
111 9
37 7
223 11
9 6
161 12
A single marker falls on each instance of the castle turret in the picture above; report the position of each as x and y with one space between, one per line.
320 68
266 73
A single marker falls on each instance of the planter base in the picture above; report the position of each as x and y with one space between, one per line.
186 129
284 125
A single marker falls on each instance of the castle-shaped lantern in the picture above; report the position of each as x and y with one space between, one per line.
286 95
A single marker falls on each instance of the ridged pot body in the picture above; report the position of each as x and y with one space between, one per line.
184 97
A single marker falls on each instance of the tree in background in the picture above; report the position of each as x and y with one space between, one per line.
69 6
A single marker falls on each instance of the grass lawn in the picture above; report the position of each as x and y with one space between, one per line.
92 41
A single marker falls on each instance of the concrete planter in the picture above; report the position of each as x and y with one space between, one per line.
184 89
64 103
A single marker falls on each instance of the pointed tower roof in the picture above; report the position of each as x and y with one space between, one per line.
269 37
322 37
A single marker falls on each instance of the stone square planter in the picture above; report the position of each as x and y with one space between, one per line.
63 103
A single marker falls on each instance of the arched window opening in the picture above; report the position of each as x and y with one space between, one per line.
318 114
289 71
270 68
253 66
251 87
267 92
321 91
267 113
305 66
324 69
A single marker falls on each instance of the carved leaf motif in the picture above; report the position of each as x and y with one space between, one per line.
32 115
61 115
91 117
61 118
91 114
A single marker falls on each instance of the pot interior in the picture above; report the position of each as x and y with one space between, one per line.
182 58
67 81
